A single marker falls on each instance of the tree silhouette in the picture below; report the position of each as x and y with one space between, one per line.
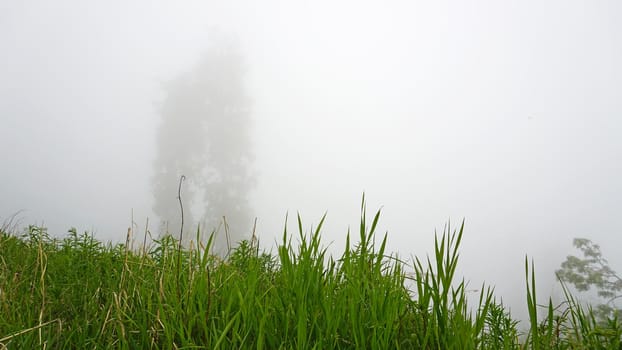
593 271
205 135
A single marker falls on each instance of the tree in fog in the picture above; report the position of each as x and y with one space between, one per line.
204 134
592 270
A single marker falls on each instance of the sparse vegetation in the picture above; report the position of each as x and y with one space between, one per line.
78 293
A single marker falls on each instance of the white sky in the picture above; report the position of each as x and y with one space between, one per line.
507 114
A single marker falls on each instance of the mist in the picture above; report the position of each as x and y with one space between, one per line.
506 115
204 137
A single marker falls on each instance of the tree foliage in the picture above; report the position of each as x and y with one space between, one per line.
592 270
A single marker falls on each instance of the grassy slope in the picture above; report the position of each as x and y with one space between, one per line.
80 294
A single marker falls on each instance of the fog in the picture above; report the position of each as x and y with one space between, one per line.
505 114
204 137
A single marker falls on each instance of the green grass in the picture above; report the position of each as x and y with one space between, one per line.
78 293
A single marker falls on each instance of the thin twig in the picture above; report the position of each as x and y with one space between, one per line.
181 235
145 237
226 226
29 330
181 206
254 240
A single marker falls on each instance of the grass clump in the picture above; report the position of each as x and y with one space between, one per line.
78 293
